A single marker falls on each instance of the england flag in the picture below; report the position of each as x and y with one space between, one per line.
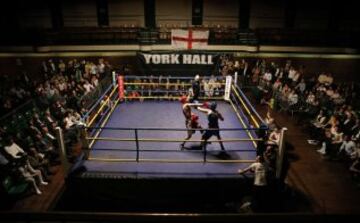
189 39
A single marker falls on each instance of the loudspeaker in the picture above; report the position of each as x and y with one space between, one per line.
197 12
102 12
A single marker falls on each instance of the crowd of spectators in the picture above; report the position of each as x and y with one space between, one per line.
327 110
28 146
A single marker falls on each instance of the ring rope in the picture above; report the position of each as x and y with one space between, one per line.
170 78
167 140
167 84
102 106
102 118
170 160
251 107
96 104
239 117
164 150
242 114
246 108
168 91
169 129
103 124
170 97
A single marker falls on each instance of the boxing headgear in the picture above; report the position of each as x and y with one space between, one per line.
194 117
213 105
183 99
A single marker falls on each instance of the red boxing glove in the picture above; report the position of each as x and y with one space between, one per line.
194 118
205 105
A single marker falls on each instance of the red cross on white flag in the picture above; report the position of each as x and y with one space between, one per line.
189 39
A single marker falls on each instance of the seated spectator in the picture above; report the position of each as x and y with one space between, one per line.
14 150
37 121
68 120
33 130
326 145
39 161
277 84
49 120
347 148
293 98
46 133
46 147
32 176
348 123
311 99
320 120
301 86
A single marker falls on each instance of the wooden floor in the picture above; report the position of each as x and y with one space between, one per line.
325 184
45 201
321 186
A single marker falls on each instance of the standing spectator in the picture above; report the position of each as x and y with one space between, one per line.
62 67
260 193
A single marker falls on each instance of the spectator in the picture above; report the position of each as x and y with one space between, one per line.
14 150
347 148
260 192
32 176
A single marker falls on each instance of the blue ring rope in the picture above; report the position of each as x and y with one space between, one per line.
172 78
97 102
166 150
170 91
166 129
250 105
100 121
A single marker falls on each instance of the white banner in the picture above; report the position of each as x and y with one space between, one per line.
227 88
189 39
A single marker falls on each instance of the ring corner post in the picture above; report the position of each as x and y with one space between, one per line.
63 156
121 87
280 155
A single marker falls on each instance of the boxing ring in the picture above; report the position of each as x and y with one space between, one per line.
134 131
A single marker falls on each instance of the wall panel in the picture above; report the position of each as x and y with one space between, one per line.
126 13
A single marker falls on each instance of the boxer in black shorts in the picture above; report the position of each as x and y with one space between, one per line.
213 124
